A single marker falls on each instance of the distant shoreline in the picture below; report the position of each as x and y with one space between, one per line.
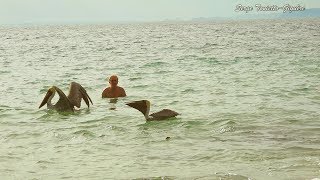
196 20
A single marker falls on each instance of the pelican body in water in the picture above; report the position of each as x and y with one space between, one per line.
144 107
66 103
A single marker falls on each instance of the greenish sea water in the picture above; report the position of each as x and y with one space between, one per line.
248 93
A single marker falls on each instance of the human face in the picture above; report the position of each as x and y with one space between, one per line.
113 81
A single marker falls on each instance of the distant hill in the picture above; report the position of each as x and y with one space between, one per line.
313 12
307 13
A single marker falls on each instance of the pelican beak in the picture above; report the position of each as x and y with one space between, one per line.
45 99
139 105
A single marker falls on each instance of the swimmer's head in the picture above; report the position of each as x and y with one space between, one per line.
113 80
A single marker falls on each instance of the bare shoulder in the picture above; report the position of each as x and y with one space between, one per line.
105 92
121 89
122 92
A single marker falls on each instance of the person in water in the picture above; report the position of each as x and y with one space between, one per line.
114 90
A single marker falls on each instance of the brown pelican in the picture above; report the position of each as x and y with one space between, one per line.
66 103
144 107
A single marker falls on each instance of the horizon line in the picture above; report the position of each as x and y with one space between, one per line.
174 20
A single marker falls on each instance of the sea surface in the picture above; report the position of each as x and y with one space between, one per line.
248 93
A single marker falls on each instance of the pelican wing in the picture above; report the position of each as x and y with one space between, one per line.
164 114
63 103
76 93
45 99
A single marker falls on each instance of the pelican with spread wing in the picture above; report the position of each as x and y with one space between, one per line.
144 107
66 103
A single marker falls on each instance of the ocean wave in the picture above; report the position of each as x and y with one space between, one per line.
135 78
155 64
85 133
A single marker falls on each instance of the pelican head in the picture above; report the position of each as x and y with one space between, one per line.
143 106
47 99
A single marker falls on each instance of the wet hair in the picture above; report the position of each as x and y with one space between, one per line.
113 76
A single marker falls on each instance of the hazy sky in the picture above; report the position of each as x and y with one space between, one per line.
69 11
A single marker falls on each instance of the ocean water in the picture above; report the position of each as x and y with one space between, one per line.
248 93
